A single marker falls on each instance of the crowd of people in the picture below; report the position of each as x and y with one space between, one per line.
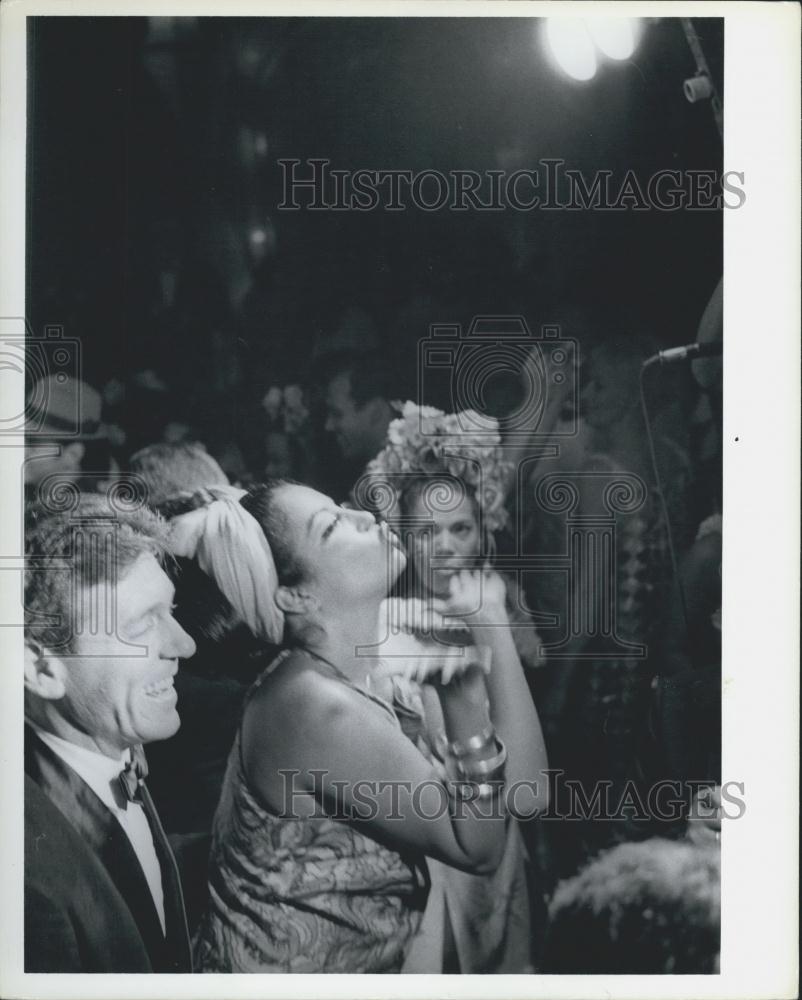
373 742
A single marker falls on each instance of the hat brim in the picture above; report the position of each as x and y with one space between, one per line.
54 432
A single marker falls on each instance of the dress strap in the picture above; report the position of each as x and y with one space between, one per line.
370 695
268 670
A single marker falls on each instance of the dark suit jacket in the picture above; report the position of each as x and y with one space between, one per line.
88 907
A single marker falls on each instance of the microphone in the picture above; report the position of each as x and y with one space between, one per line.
687 352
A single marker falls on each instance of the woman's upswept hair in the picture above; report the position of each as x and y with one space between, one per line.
260 502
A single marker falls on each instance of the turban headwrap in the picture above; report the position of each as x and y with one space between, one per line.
230 547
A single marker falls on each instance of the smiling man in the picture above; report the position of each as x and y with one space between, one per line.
358 408
102 892
358 391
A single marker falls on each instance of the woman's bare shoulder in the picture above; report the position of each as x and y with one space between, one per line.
297 695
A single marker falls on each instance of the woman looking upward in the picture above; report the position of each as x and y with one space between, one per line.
328 806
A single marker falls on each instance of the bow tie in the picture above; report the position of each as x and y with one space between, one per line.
133 775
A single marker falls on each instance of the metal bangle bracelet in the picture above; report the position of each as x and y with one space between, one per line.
463 748
487 774
490 790
481 768
473 791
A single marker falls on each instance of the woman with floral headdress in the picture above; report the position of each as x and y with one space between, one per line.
329 807
443 480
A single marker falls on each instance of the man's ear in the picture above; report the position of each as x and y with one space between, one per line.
45 675
293 601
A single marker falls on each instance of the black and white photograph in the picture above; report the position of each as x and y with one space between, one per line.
400 499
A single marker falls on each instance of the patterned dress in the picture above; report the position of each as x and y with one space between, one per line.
303 895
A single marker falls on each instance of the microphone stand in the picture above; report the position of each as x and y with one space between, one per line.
701 86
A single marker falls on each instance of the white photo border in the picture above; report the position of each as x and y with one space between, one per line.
761 519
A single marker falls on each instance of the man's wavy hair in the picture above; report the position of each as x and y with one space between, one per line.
93 542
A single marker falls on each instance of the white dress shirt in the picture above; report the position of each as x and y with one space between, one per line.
100 773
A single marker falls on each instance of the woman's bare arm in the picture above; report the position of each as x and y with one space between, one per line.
480 599
348 754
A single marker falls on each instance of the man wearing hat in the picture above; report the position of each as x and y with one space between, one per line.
64 435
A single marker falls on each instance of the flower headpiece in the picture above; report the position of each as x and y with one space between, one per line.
426 442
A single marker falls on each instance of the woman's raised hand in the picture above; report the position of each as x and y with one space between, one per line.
479 597
430 667
412 615
425 661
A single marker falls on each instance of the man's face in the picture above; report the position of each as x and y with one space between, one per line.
116 700
358 431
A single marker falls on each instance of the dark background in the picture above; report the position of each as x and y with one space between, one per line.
154 238
153 177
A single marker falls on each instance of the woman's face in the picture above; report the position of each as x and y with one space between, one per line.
451 537
347 553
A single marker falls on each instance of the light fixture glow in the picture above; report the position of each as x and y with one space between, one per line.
572 46
615 36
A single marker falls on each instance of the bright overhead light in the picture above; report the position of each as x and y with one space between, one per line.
572 46
615 36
